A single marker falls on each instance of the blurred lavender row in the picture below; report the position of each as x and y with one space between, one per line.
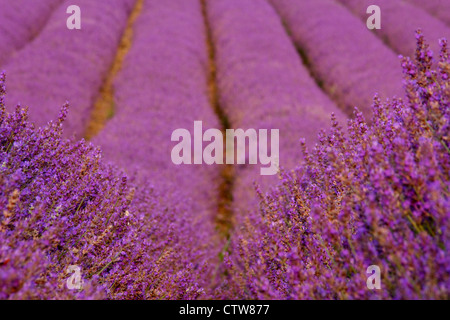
399 20
263 85
342 53
163 87
21 21
438 8
67 65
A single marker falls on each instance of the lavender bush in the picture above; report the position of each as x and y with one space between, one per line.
62 205
22 20
377 196
76 60
351 62
399 20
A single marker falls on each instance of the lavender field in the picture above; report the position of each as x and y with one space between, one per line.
109 189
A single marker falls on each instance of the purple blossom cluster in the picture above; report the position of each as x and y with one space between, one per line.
252 49
399 19
163 86
76 60
61 205
378 195
22 20
438 8
350 62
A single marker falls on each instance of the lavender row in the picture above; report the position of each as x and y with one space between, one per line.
163 87
438 8
399 21
351 62
20 22
263 85
67 65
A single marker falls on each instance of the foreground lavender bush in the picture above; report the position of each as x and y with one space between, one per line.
60 206
377 196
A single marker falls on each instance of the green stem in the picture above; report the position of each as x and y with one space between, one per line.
106 266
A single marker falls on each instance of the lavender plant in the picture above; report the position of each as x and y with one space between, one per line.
377 196
61 205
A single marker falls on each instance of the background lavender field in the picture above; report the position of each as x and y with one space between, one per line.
87 178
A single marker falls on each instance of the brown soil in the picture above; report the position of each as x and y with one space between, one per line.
104 106
224 218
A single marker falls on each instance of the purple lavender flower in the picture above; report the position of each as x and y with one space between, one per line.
376 196
61 205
